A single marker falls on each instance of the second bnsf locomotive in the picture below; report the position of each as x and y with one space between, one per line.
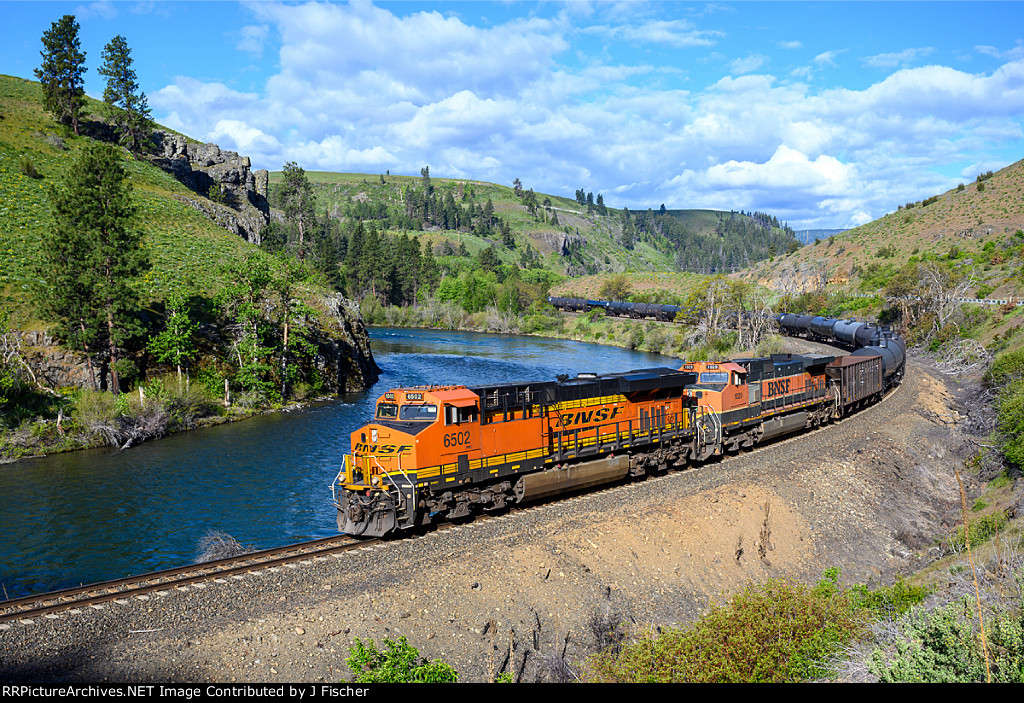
443 452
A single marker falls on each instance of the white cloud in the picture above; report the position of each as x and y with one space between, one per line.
787 169
235 135
677 33
106 10
362 88
748 64
899 58
254 36
827 58
1013 54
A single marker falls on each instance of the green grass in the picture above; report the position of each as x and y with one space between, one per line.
184 246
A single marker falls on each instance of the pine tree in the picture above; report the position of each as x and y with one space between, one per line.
430 272
62 70
90 256
297 201
126 104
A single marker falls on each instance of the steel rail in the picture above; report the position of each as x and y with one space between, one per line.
28 607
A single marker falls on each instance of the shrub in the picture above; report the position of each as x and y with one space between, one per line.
941 646
28 168
772 632
981 529
1006 368
1010 421
401 663
216 544
635 337
889 600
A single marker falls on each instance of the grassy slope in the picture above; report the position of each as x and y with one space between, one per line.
183 245
967 219
590 286
335 190
974 226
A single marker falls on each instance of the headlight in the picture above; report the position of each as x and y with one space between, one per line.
375 480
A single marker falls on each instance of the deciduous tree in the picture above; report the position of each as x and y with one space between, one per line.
176 343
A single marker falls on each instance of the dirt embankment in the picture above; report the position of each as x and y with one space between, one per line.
525 591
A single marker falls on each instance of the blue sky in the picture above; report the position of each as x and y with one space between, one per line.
824 114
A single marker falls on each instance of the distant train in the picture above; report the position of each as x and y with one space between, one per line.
868 338
664 313
444 452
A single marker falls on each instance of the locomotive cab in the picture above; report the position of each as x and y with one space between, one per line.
721 387
412 428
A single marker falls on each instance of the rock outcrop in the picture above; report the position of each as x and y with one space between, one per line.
344 359
53 365
236 196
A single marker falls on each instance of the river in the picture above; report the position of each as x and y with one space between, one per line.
94 515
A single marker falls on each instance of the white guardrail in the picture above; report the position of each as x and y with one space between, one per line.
964 301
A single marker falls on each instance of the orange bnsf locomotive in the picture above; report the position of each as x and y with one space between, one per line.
444 452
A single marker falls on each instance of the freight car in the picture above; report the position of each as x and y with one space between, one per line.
444 452
639 311
864 338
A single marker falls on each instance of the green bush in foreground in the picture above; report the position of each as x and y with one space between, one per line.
943 646
401 663
771 632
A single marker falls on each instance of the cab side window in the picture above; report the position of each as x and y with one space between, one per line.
458 416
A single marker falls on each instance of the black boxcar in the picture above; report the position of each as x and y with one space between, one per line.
859 378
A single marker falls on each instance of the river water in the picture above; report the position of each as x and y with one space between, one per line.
95 515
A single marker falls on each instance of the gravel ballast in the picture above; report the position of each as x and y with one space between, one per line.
867 494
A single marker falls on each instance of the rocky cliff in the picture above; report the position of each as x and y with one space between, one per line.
344 359
236 196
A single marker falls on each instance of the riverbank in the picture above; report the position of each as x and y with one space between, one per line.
594 327
89 420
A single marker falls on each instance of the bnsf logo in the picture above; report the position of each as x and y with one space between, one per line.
587 416
777 387
381 448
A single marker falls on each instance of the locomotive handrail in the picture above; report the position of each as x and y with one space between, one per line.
716 424
409 481
337 479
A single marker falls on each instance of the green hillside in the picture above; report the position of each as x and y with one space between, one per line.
569 237
183 244
974 226
211 326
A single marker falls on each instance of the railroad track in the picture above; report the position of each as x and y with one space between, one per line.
96 594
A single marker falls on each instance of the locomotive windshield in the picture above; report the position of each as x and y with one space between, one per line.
714 377
387 411
418 412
